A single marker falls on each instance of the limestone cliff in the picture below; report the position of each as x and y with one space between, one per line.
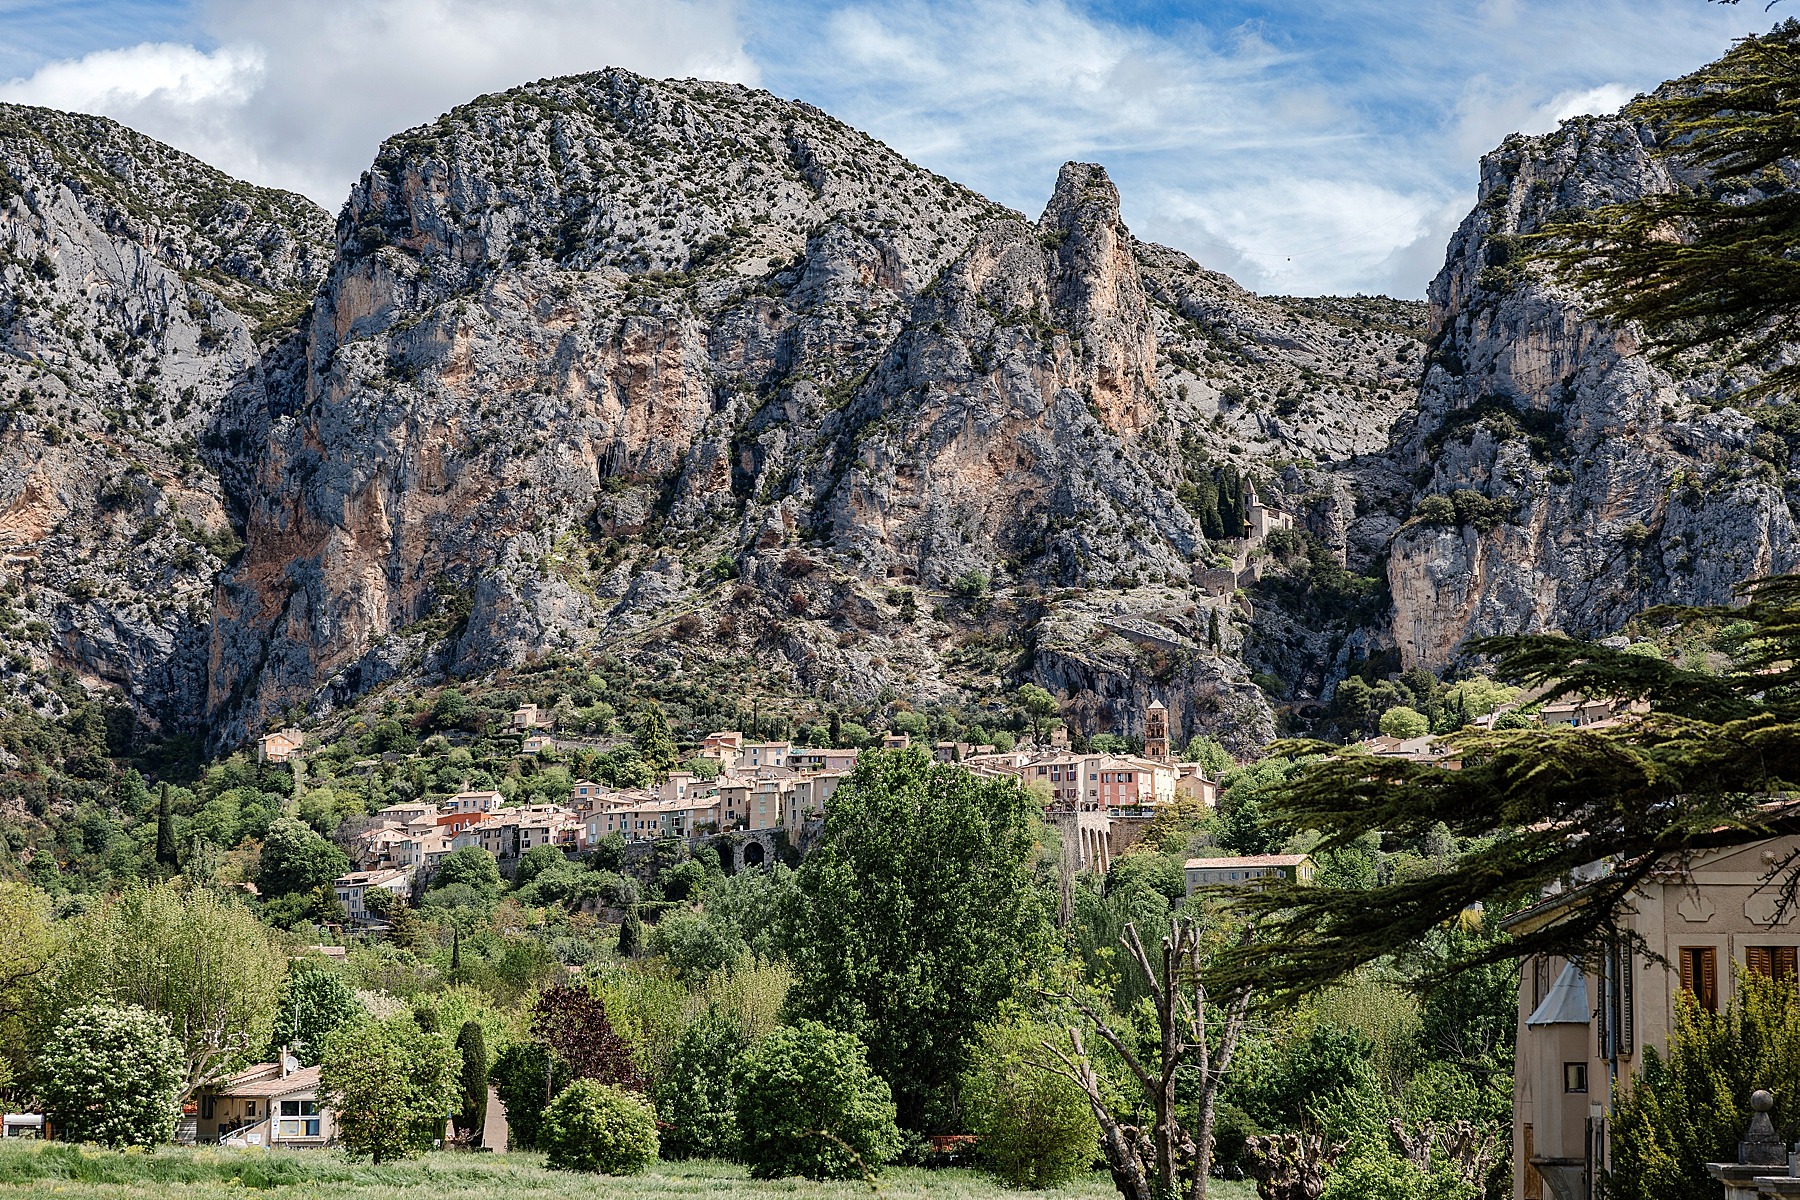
139 289
1561 480
682 371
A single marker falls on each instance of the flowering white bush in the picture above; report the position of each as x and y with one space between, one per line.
112 1076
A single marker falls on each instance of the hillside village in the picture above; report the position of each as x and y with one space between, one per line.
671 644
749 787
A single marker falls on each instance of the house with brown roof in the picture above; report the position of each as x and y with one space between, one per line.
1247 870
280 746
270 1105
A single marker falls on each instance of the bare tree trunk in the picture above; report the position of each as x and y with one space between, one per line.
1180 1000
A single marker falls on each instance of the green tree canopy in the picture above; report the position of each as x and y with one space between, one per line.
112 1076
1403 722
918 914
1036 1127
389 1085
1716 764
204 963
472 866
809 1105
296 859
471 1044
315 1003
655 744
591 1126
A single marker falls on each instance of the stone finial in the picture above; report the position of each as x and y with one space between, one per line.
1761 1146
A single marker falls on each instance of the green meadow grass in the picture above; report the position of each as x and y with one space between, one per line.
37 1169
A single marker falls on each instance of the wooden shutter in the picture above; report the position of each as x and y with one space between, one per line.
1534 1183
1784 962
1760 960
1700 975
1627 1003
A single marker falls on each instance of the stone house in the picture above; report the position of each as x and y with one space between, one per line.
280 746
1583 1025
1246 870
353 888
270 1105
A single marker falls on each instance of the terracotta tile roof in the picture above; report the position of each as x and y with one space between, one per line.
306 1079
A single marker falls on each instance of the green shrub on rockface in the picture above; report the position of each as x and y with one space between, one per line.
593 1127
809 1105
112 1076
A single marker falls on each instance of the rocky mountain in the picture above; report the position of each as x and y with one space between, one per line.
685 371
1561 480
140 293
683 374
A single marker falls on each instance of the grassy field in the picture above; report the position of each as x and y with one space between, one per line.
74 1173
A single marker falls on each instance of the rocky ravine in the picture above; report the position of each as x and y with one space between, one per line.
139 289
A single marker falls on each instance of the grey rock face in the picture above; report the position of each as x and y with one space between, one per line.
1621 485
682 371
137 286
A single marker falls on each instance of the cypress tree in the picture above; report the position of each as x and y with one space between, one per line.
631 934
165 832
473 1118
1212 629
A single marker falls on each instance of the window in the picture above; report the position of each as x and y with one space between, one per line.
1700 975
1774 962
299 1118
249 1108
1575 1077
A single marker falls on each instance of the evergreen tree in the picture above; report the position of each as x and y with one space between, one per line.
655 745
165 832
1212 629
1714 765
472 1118
1714 267
631 934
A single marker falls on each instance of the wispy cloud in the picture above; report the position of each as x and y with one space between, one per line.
299 95
1325 146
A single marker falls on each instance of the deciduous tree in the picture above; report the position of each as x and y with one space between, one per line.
390 1086
204 963
918 914
112 1076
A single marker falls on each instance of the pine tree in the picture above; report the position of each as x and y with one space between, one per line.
1714 765
165 832
1715 267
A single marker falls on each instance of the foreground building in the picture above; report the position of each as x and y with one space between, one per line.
271 1105
1584 1026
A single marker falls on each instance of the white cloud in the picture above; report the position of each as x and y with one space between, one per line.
1332 148
299 95
1607 98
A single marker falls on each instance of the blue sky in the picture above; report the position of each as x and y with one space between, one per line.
1328 146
